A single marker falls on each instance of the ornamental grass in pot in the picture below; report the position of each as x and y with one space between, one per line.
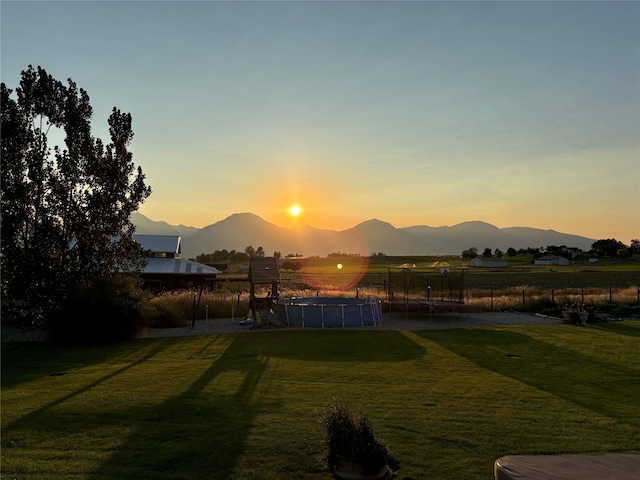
354 452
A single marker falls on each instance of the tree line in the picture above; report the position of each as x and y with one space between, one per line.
233 256
609 247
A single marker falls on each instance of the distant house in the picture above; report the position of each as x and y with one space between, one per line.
551 260
488 262
593 260
166 269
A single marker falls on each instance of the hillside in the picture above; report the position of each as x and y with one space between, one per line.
240 230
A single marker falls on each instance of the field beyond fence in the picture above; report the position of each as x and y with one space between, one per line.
611 289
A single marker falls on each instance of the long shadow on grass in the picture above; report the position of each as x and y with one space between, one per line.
341 346
200 433
15 378
622 329
600 386
197 434
25 362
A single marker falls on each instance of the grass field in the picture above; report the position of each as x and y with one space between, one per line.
447 403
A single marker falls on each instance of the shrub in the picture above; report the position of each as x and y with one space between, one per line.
350 438
164 313
101 309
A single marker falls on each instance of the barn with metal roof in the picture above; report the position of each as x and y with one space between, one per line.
165 268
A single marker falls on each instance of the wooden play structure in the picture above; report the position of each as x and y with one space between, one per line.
263 271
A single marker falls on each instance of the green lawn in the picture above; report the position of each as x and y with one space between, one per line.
447 403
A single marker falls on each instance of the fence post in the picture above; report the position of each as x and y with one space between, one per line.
195 306
610 293
553 298
492 300
523 298
582 292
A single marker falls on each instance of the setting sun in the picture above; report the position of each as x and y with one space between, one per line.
294 210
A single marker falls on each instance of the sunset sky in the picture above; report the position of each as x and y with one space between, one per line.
414 113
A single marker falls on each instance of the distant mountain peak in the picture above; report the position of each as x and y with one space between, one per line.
374 222
475 224
240 230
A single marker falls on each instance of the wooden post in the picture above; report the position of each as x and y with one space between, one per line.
523 298
196 304
252 294
406 295
610 293
553 298
193 317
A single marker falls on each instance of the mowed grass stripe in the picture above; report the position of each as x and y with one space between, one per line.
447 403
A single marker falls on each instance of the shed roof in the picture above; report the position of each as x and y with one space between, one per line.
491 260
178 266
160 243
263 270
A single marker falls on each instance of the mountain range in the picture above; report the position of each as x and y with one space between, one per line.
240 230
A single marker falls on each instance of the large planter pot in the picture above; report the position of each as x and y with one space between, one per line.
345 470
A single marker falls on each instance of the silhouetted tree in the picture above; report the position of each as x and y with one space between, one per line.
623 253
608 247
291 265
511 252
470 253
487 252
65 212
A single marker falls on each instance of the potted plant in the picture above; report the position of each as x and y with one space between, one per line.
354 452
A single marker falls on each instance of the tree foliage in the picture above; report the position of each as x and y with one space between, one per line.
65 210
607 247
623 253
291 265
470 252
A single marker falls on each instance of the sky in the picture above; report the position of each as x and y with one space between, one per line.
413 113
